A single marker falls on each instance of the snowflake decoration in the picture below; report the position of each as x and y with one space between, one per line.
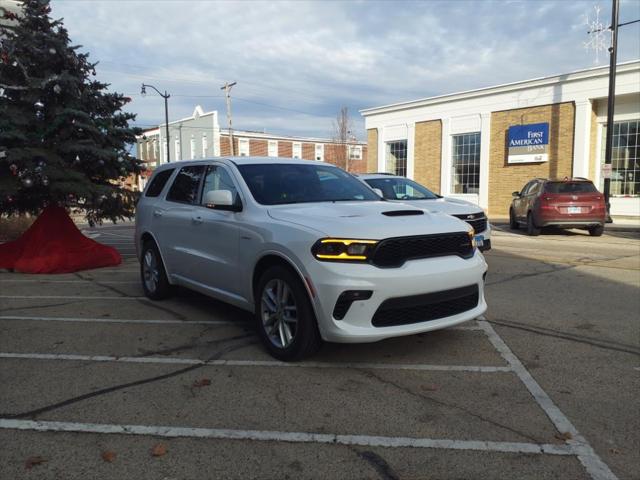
597 32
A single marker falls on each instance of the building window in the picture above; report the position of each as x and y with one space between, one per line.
355 152
156 153
625 158
142 152
177 149
193 147
296 150
205 145
319 152
272 148
396 157
243 147
465 165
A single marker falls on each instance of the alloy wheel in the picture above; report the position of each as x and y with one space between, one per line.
279 313
150 271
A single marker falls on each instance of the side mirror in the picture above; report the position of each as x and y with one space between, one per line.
515 194
221 200
379 192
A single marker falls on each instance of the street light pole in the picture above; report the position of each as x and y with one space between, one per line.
613 54
227 90
166 112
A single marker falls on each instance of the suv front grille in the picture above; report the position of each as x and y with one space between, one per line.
393 252
423 308
478 222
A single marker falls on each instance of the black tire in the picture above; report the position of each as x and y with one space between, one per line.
596 231
513 223
160 288
531 227
305 337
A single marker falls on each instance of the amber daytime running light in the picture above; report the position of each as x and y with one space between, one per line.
343 249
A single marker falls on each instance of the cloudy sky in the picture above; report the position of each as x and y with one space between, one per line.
297 63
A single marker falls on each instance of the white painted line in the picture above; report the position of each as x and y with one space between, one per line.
294 437
637 368
595 467
121 320
255 363
129 237
67 297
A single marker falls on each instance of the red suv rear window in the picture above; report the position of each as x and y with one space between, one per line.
570 187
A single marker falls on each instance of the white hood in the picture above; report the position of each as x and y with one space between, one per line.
366 220
450 206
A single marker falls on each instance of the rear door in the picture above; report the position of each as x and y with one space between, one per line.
174 219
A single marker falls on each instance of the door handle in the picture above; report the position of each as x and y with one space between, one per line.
197 219
157 213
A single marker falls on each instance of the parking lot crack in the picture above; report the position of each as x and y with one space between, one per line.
378 463
421 396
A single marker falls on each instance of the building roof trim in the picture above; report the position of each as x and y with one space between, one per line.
593 72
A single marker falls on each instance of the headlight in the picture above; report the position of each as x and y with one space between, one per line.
472 238
343 249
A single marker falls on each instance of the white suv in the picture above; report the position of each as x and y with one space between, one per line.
313 252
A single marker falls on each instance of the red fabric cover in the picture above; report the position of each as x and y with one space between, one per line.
53 244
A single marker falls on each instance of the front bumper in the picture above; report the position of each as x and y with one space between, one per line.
415 277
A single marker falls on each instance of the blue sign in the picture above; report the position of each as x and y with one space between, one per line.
529 143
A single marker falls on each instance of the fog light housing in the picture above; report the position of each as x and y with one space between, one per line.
347 298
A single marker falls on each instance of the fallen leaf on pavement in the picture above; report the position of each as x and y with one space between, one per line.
430 388
614 451
159 449
32 461
564 436
108 456
202 383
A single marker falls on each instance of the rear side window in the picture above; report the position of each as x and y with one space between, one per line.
570 187
158 183
186 185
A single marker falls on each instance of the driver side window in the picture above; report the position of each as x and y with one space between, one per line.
217 178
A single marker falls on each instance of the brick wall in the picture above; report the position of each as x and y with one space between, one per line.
308 151
505 178
285 149
372 147
428 154
258 148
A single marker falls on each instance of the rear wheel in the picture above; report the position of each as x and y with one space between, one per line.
596 231
285 319
513 223
531 227
152 272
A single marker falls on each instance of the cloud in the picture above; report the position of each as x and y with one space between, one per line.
297 63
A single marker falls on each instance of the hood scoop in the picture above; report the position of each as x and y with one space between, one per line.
402 213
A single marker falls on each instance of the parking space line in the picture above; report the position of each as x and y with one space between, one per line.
87 281
593 464
256 363
122 320
291 437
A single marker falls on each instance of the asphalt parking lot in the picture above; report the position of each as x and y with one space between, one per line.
96 379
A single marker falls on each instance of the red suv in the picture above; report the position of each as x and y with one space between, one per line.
568 203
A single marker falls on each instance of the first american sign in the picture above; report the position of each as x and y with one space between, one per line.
529 143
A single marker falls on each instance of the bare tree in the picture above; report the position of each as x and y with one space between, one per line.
343 135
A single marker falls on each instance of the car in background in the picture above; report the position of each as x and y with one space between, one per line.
313 252
401 189
568 203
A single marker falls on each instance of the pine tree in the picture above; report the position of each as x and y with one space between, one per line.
63 135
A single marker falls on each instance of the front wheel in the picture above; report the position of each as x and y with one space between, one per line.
596 231
285 319
531 226
152 272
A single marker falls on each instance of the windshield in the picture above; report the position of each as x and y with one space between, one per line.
570 187
279 183
395 188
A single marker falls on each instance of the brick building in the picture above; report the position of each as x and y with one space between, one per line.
471 145
200 136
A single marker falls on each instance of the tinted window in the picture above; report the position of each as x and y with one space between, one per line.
217 178
401 189
158 183
275 184
570 187
534 188
185 186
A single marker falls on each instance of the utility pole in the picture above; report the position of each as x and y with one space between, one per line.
613 55
227 91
